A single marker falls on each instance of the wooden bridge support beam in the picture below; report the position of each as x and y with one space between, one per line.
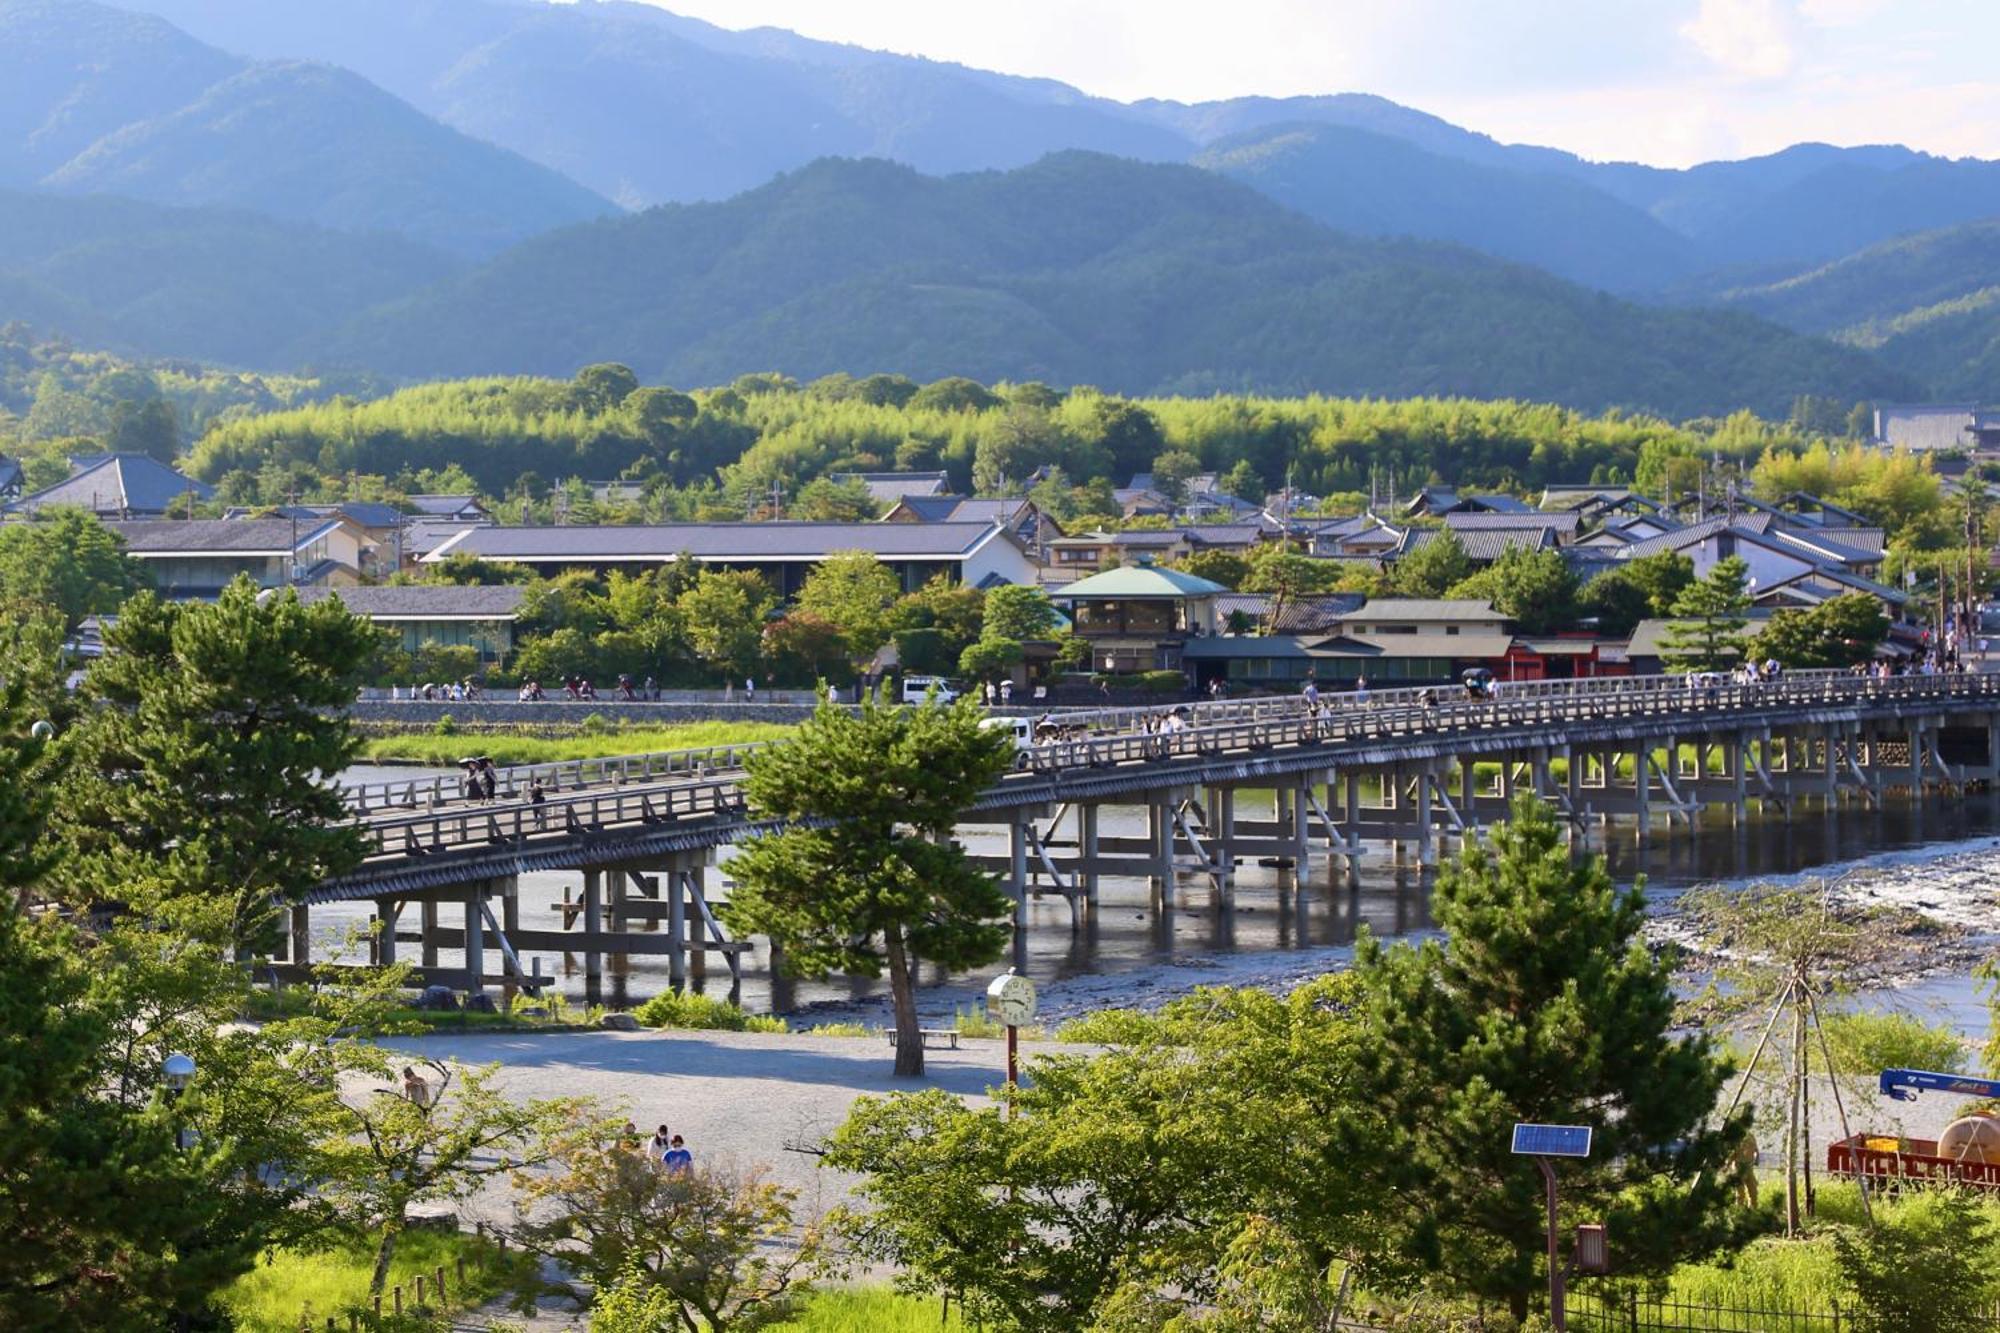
387 910
475 939
593 928
301 934
1086 838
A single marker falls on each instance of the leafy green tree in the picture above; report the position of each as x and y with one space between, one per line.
1018 612
1930 1264
1615 601
1709 618
879 884
724 612
1541 1003
709 1248
1171 472
206 764
1840 632
990 658
824 500
1119 1187
145 426
1433 568
1229 569
70 561
1243 481
603 387
661 413
1534 589
805 648
954 394
856 592
1663 576
1012 446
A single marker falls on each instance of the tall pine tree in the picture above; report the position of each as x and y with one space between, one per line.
1706 633
1541 1003
864 877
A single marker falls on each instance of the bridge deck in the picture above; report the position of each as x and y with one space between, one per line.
678 810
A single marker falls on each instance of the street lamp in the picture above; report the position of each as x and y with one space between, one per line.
1545 1143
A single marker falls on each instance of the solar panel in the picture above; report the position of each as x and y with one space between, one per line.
1552 1140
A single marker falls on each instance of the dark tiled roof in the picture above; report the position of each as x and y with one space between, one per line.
722 541
1302 615
446 506
1502 504
1565 523
119 484
421 538
892 486
1482 544
425 601
248 536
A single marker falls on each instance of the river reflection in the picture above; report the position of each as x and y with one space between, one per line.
1274 911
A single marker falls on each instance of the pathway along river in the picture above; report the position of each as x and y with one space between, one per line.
1942 860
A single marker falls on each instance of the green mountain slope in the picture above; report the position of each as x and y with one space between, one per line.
99 100
1928 304
196 283
1378 185
1079 269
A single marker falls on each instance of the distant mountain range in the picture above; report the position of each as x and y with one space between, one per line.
100 100
429 137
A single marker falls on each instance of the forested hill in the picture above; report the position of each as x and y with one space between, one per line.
100 100
1078 269
1928 304
203 284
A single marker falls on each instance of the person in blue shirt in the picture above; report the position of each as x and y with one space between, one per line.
678 1158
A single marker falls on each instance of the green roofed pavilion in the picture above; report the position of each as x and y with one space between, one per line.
1141 582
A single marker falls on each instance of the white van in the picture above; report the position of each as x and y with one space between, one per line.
917 688
1023 731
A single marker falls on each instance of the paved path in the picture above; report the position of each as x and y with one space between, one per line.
736 1097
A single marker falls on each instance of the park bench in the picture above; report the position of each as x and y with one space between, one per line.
932 1036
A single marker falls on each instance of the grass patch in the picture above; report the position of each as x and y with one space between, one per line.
703 1013
843 1030
976 1022
289 1283
442 751
521 1014
872 1310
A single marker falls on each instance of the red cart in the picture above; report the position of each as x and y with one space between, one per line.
1908 1162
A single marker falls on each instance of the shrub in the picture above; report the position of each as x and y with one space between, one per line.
1163 682
445 726
1867 1043
703 1013
1107 1027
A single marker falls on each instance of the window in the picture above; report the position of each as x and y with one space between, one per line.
1451 629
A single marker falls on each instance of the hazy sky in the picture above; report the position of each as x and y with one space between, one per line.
1663 81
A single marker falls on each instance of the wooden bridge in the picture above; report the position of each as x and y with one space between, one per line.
1417 770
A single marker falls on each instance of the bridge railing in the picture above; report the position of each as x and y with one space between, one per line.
1215 731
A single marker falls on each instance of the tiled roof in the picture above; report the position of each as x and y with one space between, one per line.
890 487
1487 545
1301 615
425 601
1224 534
250 536
1424 608
1814 547
446 506
721 541
425 536
1565 523
1502 504
118 484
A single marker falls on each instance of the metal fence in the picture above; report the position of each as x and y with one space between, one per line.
1632 1312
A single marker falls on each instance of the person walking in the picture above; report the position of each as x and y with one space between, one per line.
659 1145
677 1159
749 689
416 1087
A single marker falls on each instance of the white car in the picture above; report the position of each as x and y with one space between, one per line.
918 688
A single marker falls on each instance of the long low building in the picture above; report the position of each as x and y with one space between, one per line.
446 615
194 560
977 554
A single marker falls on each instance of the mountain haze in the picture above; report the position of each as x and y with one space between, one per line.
203 284
101 100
